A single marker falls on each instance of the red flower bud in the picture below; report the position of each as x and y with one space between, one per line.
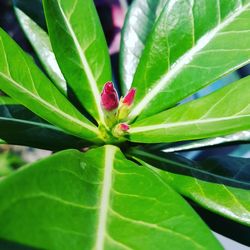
109 97
129 98
124 127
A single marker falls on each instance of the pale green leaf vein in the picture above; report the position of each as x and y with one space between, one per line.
48 105
184 60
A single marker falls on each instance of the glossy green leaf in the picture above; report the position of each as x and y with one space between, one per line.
139 22
20 126
5 100
97 200
184 53
21 79
39 40
239 137
220 184
202 118
80 48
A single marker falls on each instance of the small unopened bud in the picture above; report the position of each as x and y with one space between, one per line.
126 104
109 97
124 127
120 130
129 98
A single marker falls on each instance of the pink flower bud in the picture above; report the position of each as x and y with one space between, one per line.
109 97
124 127
129 98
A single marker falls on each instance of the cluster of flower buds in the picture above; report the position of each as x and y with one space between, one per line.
116 112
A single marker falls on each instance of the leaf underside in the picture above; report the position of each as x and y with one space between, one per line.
39 39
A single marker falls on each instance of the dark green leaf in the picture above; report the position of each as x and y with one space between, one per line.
219 184
20 126
83 55
185 52
223 112
97 200
21 79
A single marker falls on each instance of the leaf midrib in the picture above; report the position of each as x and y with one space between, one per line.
105 197
182 61
37 124
239 136
182 165
51 107
86 67
134 130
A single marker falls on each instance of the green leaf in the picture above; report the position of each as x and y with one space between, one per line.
2 141
139 22
83 55
206 117
5 100
39 40
9 162
220 184
5 166
220 141
239 137
21 79
184 53
7 245
97 200
20 126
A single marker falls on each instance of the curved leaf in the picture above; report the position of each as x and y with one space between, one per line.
83 55
243 136
184 53
219 184
140 20
5 100
220 113
21 79
20 126
110 204
39 39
